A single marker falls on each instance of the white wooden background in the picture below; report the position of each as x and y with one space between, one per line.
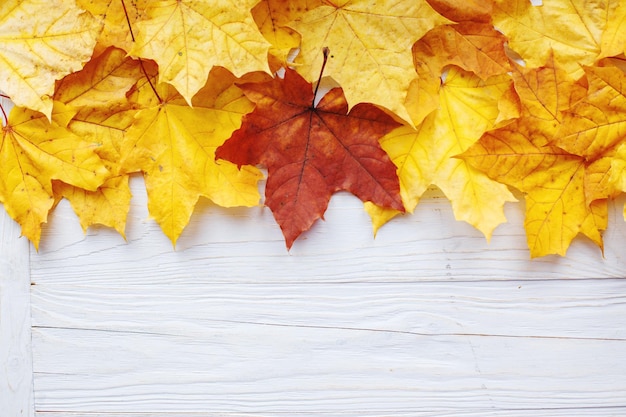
428 319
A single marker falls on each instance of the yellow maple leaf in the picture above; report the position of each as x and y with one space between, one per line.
552 179
571 28
33 152
187 38
98 92
37 48
473 46
618 171
102 83
424 155
174 146
595 128
559 157
546 94
272 17
116 16
108 205
614 36
464 10
370 46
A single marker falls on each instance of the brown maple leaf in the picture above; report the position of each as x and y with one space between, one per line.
312 151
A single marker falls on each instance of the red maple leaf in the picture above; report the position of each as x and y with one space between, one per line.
312 151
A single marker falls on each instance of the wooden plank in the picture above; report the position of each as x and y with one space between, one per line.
602 412
245 245
425 320
16 372
432 348
313 350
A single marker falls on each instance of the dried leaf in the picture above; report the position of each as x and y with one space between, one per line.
312 152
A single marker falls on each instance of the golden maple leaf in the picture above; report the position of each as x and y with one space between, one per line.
562 163
595 128
570 29
33 152
37 48
464 10
272 17
117 15
613 39
98 93
468 107
370 46
174 146
187 38
473 46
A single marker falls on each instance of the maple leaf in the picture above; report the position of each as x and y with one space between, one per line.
312 152
571 29
272 18
174 146
33 152
117 15
546 94
595 128
473 46
560 182
424 155
614 36
370 44
38 48
98 93
187 38
464 10
551 178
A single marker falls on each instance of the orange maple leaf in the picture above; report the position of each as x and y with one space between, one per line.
98 93
312 151
559 156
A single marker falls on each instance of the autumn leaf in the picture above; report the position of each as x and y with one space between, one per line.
613 38
425 155
595 128
546 94
551 178
473 46
312 152
33 152
370 44
272 18
36 48
187 38
174 146
560 182
464 10
98 93
572 29
117 15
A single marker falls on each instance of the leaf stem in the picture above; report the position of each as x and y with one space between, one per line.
143 68
325 51
4 113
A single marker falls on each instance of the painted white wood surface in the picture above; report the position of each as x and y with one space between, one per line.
427 319
16 371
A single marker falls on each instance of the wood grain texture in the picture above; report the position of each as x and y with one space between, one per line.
425 320
16 371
